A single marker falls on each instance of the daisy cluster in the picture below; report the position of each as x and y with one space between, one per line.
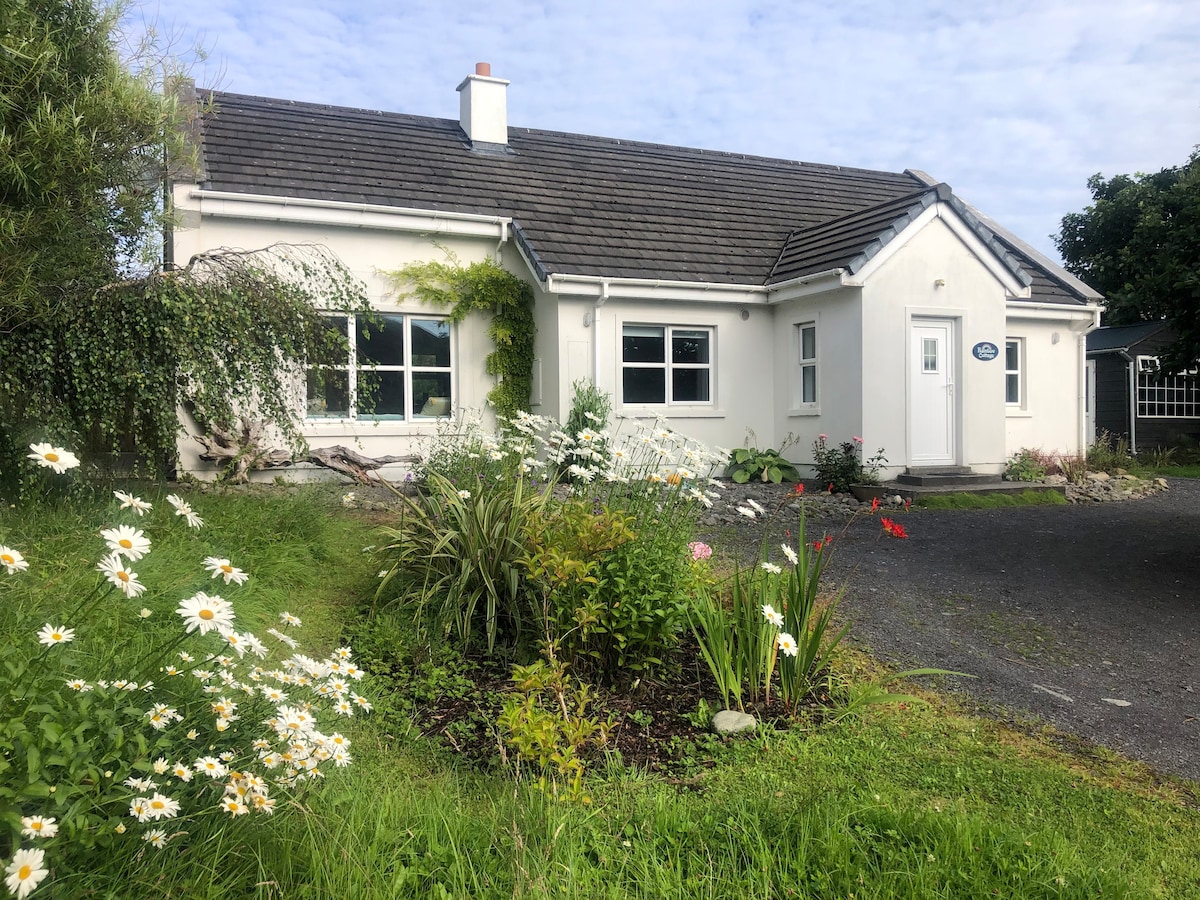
238 722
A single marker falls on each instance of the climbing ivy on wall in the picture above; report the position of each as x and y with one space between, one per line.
228 333
484 287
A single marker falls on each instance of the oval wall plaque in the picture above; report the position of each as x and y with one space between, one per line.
985 350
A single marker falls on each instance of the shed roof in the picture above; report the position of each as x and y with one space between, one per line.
584 205
1111 339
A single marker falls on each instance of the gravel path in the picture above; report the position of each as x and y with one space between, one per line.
1086 615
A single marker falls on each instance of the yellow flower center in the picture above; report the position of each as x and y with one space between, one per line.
228 570
126 543
24 872
7 560
124 576
205 614
57 636
157 804
35 826
51 457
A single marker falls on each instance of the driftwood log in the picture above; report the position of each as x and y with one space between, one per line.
242 450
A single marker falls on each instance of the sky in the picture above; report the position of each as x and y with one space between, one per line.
1014 105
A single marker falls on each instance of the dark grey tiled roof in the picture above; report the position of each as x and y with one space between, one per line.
584 205
1121 337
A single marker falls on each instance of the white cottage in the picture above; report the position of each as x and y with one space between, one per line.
725 292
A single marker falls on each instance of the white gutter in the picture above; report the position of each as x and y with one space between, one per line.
265 207
796 287
598 287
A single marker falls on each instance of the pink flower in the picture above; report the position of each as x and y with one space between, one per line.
822 437
858 440
700 550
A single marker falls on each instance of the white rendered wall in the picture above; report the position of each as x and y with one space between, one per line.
1048 418
837 315
907 286
743 384
366 252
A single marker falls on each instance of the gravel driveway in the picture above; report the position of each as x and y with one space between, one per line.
1087 616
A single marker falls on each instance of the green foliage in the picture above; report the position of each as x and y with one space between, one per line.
736 642
81 150
844 466
765 465
545 722
1110 453
456 559
992 500
225 334
1138 243
485 287
1026 465
128 695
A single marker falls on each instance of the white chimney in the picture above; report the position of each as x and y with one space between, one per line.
483 106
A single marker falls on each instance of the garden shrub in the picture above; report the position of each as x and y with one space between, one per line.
1109 453
1026 465
837 469
747 463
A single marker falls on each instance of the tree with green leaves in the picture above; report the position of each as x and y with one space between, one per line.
96 350
1138 243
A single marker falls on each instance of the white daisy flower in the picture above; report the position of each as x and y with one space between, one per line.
755 506
156 838
139 808
128 501
78 684
210 766
772 615
52 457
221 568
38 827
120 575
748 513
770 567
204 613
787 644
790 554
26 871
288 619
12 560
130 543
184 509
50 635
163 807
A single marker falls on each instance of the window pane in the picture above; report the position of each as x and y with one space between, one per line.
689 346
384 344
380 394
1012 388
808 384
328 394
641 343
929 351
1012 355
808 343
689 385
644 386
431 391
430 344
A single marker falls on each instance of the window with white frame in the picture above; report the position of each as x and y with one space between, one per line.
806 350
1167 397
1014 357
667 365
398 368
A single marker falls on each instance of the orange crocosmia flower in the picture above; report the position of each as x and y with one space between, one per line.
898 531
800 488
817 545
887 524
874 504
830 488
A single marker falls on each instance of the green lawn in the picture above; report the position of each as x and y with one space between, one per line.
901 802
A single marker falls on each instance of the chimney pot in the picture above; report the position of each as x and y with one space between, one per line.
482 68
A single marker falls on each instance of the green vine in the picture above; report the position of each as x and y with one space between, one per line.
110 368
485 287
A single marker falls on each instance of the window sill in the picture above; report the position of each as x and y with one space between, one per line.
363 427
670 412
805 411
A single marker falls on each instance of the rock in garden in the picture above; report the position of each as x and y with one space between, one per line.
730 721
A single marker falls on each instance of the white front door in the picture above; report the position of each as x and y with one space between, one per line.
931 393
